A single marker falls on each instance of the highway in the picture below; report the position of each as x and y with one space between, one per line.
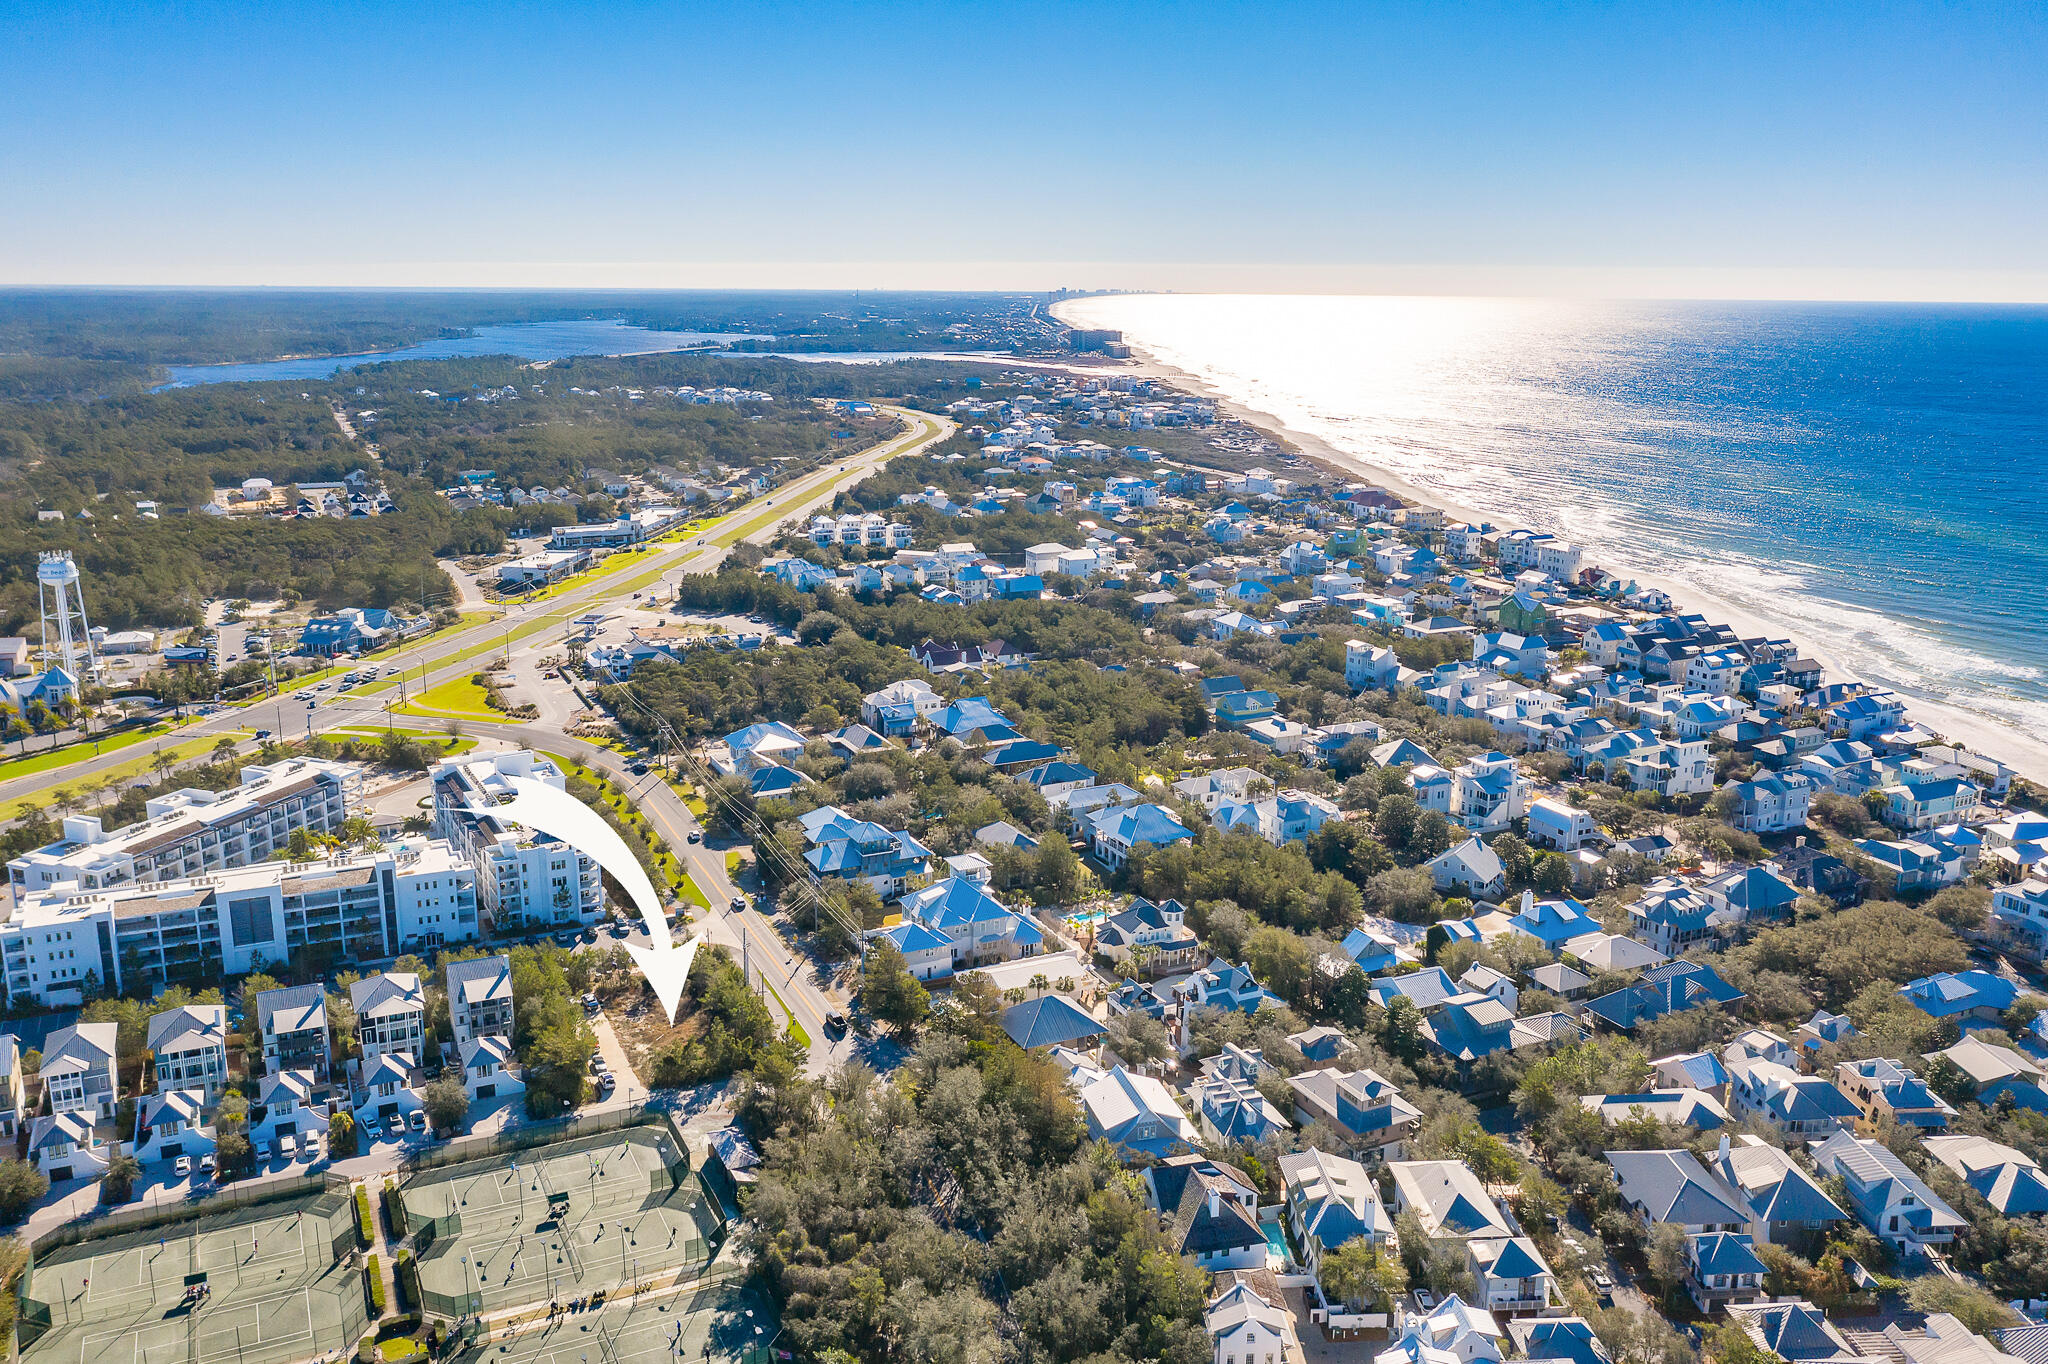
797 991
462 652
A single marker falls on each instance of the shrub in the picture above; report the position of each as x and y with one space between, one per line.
376 1273
408 1281
366 1231
394 1211
21 1185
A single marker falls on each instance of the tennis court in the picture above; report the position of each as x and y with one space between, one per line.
735 1320
558 1222
255 1285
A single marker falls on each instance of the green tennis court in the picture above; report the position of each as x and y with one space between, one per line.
736 1322
256 1285
594 1214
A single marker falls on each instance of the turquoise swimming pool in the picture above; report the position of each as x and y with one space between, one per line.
1277 1253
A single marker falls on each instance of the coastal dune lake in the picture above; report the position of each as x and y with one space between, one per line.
528 340
1872 479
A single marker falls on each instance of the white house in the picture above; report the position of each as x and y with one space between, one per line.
1489 793
63 1146
1471 868
479 998
291 1107
191 1048
1370 665
78 1070
171 1124
1245 1328
486 1068
391 1014
1772 804
1556 825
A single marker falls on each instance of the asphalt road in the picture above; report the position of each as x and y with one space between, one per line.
306 710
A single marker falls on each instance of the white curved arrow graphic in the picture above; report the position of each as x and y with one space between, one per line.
558 814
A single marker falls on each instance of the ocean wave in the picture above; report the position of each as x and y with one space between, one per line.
1871 482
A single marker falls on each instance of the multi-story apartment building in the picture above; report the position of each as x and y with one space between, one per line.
524 879
480 999
186 833
408 896
391 1016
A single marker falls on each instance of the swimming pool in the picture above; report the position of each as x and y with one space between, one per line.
1278 1256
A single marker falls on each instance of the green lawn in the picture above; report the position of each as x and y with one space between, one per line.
78 751
460 699
118 775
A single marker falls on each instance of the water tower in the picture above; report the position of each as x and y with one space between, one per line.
58 594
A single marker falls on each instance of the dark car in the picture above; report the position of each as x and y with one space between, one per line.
565 939
638 769
590 934
835 1021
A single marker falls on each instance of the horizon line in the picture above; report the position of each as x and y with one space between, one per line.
2018 288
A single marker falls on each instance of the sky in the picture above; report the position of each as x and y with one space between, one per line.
1695 150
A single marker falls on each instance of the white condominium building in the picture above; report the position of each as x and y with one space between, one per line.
189 832
523 879
412 896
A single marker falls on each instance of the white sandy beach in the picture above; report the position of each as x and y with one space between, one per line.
2025 753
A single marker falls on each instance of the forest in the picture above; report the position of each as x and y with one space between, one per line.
81 342
93 460
958 1207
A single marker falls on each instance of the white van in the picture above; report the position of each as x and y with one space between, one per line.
286 1147
262 1149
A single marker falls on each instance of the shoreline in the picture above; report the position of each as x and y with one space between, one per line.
2026 755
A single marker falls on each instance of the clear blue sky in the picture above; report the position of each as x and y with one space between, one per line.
1190 145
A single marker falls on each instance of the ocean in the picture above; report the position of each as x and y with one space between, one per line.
1870 479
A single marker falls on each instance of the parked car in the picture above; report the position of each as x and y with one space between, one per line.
606 1082
590 1004
416 1120
622 929
184 1166
590 934
597 1065
835 1021
395 1125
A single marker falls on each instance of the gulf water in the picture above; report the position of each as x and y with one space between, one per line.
1872 479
